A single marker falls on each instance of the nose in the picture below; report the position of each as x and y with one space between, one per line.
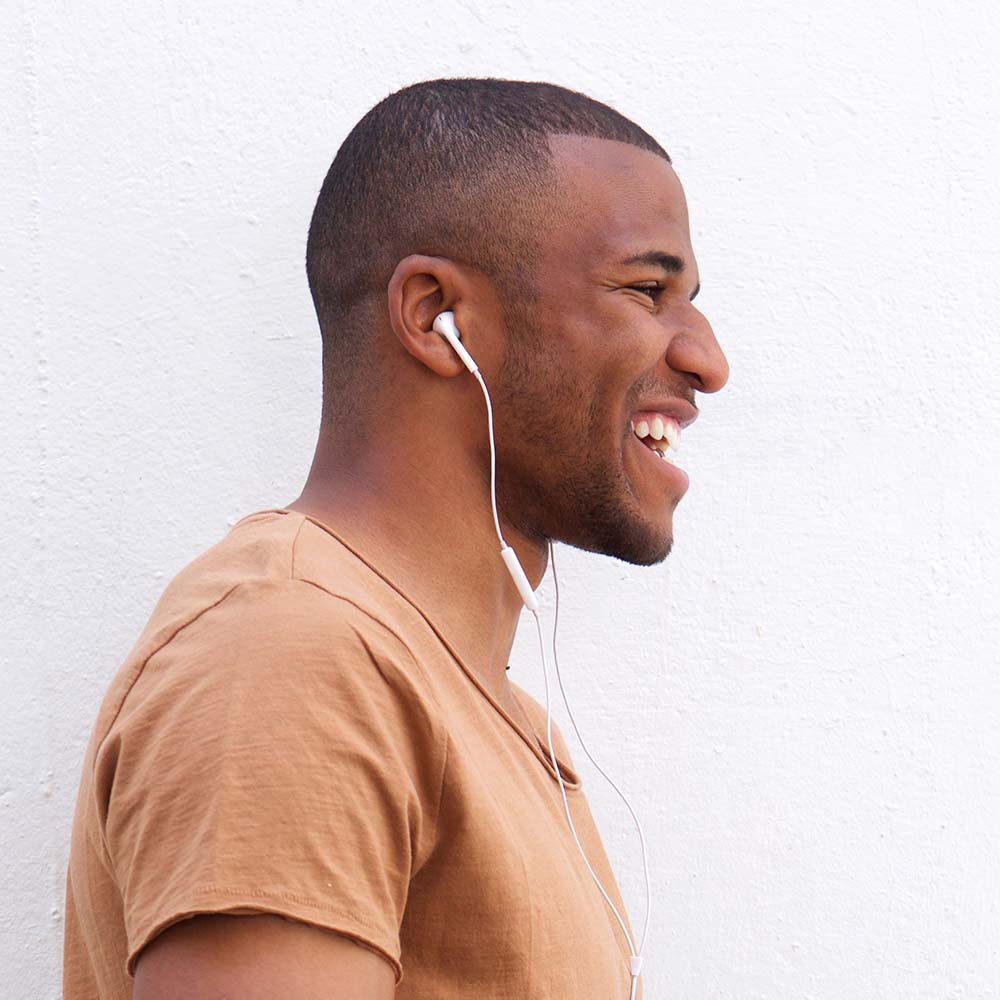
694 352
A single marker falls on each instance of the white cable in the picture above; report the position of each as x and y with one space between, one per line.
493 457
635 957
621 795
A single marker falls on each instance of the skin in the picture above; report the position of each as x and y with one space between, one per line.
573 471
407 482
259 957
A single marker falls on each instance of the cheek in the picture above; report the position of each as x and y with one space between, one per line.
579 376
622 358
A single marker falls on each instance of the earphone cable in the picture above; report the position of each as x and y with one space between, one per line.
635 958
493 456
562 787
638 825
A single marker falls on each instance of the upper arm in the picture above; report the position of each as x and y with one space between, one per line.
258 957
274 757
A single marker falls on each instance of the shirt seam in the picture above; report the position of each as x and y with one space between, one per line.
145 660
140 668
295 539
292 897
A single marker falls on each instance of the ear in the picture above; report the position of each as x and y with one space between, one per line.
422 286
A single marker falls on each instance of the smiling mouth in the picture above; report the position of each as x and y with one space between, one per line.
659 432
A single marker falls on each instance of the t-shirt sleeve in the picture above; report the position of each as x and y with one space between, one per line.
277 755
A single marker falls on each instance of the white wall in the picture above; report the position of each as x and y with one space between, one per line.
803 700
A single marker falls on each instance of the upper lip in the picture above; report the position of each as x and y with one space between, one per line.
683 412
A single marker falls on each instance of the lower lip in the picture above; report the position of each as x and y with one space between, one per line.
669 472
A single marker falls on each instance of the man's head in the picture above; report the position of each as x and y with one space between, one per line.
454 167
517 205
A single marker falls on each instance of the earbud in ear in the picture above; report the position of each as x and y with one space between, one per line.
444 323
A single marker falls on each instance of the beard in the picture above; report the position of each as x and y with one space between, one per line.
560 473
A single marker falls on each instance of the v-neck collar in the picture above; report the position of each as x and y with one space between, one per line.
570 779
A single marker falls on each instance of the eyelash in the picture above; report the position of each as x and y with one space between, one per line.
655 289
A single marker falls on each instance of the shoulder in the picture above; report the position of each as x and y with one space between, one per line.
277 615
278 655
269 628
276 690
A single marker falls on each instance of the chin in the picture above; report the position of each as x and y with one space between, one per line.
599 513
636 542
647 555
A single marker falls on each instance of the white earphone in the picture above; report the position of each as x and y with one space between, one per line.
444 324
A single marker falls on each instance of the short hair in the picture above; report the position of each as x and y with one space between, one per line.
455 167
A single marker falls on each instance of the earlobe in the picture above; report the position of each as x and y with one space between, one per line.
420 289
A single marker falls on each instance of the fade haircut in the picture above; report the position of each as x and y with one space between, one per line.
454 167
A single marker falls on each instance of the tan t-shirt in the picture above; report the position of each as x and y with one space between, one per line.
291 735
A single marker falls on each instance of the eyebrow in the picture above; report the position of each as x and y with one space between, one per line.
669 262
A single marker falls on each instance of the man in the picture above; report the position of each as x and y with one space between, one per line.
312 776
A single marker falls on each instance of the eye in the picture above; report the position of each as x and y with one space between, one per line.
653 291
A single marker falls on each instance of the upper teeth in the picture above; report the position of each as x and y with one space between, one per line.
660 428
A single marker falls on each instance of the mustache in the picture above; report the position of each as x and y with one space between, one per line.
660 390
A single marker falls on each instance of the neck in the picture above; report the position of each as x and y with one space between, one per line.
421 512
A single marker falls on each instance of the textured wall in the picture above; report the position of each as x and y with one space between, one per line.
802 701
